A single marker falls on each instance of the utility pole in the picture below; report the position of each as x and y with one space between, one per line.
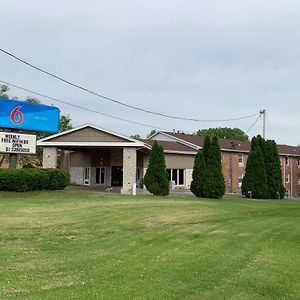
263 113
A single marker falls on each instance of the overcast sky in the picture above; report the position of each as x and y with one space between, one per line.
213 59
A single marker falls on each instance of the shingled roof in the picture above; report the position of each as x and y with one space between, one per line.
225 144
171 146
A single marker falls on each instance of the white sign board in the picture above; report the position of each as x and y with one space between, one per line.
17 143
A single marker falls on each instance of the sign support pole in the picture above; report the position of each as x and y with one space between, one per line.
13 160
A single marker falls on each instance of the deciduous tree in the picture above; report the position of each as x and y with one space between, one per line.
224 132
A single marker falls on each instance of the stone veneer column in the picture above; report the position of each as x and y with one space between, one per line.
49 157
129 169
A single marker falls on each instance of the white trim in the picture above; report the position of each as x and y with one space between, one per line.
154 134
173 151
86 181
241 163
89 144
191 145
240 177
85 126
101 167
287 160
177 179
287 176
179 152
289 155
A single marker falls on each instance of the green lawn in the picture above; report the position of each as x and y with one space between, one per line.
73 245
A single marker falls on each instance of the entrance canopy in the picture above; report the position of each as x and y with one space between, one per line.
96 156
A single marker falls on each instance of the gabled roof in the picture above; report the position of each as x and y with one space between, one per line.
89 135
171 138
172 147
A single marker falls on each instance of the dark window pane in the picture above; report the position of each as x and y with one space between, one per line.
174 175
102 175
181 179
97 175
169 174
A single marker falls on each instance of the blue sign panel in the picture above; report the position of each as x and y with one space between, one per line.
28 116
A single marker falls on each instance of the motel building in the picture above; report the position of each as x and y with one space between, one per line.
101 159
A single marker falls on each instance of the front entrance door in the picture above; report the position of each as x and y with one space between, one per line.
116 176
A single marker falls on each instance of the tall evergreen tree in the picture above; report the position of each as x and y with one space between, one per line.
156 177
198 174
213 183
255 180
273 169
206 147
275 188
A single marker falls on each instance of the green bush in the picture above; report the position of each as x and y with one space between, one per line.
57 179
30 179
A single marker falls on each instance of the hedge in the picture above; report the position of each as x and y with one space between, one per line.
31 179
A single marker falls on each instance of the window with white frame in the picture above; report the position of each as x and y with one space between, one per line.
241 176
176 175
100 175
287 161
86 176
298 162
287 178
241 160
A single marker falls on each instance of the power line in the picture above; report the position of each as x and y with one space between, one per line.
117 101
254 122
81 107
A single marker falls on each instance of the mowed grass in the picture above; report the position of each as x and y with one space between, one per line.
75 245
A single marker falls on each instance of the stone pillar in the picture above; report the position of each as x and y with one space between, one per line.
49 157
129 170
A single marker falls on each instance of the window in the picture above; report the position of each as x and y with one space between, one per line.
241 176
86 176
100 175
287 161
287 178
176 175
298 179
241 160
298 162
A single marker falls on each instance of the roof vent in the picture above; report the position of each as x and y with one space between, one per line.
233 144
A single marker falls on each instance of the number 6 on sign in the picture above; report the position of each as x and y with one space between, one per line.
16 115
